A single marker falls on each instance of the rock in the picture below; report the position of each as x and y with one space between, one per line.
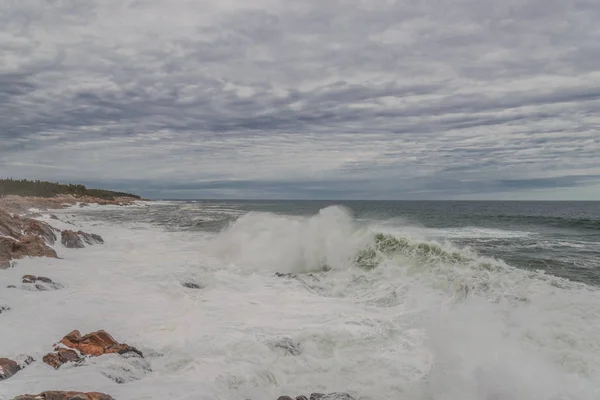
54 217
71 240
58 395
191 285
9 225
284 398
26 246
8 368
40 283
92 345
301 397
4 309
41 229
11 287
288 346
317 396
91 238
333 396
75 240
61 356
5 264
286 275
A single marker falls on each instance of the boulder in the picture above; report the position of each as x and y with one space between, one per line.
8 368
92 345
41 229
61 356
58 395
90 238
26 246
71 240
39 283
75 240
9 225
191 285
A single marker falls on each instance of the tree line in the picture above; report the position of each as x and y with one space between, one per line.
37 188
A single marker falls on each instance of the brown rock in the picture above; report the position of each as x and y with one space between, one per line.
28 245
58 395
71 239
97 343
60 357
92 345
33 227
8 368
10 226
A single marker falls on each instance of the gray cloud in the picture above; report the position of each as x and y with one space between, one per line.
274 98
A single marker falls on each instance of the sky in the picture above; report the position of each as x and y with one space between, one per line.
304 99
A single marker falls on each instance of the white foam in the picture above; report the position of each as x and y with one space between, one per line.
404 330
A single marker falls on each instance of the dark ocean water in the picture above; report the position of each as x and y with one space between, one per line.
560 238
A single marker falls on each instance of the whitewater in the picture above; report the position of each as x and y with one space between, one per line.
373 308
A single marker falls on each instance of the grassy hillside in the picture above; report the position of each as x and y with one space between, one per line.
25 187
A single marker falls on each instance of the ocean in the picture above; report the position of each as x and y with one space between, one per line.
383 300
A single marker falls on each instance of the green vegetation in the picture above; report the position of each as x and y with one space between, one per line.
24 187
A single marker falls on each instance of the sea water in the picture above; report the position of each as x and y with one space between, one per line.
382 300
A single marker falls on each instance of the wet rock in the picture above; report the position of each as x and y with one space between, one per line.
11 287
284 398
41 283
25 246
285 275
71 240
8 368
331 396
287 345
4 309
191 285
94 344
5 264
41 229
301 397
58 395
61 356
54 217
90 238
75 240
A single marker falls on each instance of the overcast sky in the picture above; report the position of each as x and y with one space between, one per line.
374 99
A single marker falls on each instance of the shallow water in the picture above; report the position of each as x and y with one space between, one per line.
426 318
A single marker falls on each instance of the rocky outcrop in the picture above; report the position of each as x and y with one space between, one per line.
25 246
75 240
71 240
22 237
92 345
8 368
57 395
41 229
41 283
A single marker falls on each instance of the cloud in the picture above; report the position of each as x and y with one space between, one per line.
304 99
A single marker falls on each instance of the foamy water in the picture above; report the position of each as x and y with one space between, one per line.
430 321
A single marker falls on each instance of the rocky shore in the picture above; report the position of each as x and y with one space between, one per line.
22 236
25 233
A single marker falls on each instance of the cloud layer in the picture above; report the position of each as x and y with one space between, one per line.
304 99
